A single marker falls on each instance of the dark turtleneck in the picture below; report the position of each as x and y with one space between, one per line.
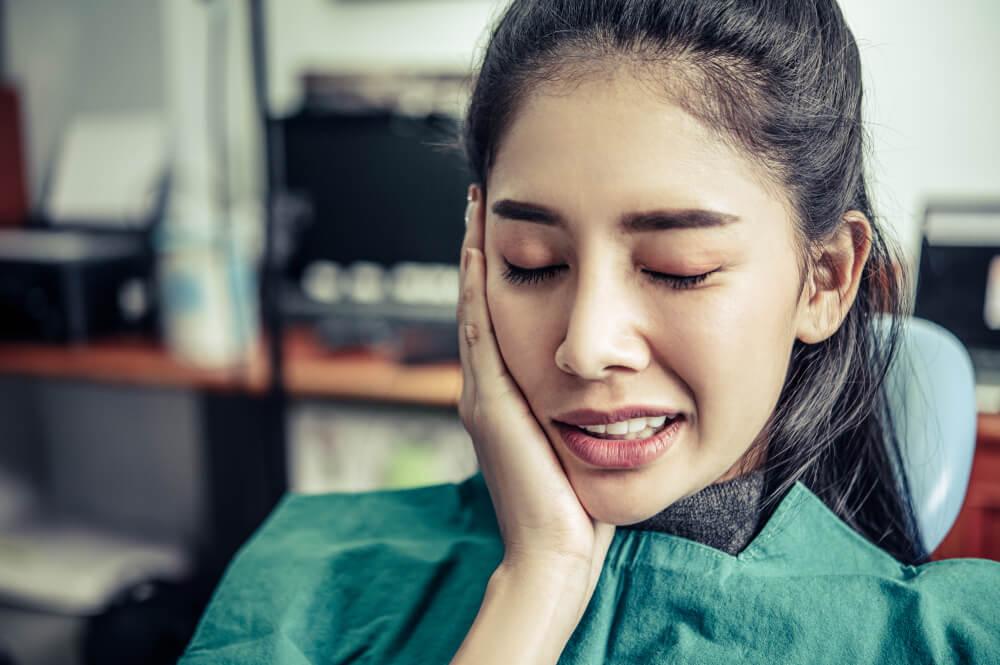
725 516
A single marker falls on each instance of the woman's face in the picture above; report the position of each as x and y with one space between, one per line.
597 189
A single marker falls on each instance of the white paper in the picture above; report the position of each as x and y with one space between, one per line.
108 170
964 228
77 569
991 306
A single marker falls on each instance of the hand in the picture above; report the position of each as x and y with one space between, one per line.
543 525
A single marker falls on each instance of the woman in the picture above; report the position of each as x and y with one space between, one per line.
671 379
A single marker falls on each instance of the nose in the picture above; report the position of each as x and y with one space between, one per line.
602 335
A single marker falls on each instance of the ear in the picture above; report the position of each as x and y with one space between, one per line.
833 278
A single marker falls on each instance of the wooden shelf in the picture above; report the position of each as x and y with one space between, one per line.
310 370
132 360
976 532
988 431
313 371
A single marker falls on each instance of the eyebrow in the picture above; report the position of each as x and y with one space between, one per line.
650 220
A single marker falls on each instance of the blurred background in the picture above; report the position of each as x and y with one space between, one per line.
229 233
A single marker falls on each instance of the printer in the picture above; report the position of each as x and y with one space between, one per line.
82 266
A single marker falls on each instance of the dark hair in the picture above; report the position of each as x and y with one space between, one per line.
781 81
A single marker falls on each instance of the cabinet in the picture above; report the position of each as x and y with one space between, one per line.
311 371
976 532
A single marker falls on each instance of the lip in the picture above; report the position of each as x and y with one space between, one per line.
620 453
586 417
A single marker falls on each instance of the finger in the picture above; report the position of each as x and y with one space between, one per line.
473 235
489 373
475 218
472 238
468 380
473 223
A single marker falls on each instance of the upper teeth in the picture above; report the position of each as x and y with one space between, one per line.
627 426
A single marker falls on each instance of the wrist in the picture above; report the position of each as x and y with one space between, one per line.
528 613
550 574
556 587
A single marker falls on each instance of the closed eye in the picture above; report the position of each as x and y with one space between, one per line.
678 281
517 275
521 276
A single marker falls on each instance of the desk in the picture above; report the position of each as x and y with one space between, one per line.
237 421
976 532
311 370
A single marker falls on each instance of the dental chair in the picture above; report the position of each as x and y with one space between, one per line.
931 392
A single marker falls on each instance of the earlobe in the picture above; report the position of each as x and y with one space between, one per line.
834 277
803 308
812 310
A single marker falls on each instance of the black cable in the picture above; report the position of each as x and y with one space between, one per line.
217 110
3 41
271 277
224 243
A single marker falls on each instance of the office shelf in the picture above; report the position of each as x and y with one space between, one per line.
310 370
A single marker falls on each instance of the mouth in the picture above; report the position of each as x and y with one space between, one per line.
650 437
619 422
630 429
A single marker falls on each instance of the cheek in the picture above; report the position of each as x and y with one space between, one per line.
520 327
736 341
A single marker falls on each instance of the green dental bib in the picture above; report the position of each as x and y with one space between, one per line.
398 577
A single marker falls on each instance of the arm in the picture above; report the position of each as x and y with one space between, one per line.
527 616
553 549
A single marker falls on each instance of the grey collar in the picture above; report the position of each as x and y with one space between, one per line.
725 516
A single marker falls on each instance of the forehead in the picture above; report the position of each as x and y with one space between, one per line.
612 141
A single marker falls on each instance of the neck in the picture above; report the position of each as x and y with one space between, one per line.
725 515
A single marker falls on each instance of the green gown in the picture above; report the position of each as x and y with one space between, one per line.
398 577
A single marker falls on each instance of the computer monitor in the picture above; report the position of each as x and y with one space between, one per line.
381 187
958 284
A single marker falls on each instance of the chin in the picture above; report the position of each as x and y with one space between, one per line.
619 498
619 515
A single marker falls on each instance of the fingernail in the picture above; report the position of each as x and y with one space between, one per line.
468 210
471 193
470 333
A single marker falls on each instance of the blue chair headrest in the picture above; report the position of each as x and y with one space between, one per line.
931 390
